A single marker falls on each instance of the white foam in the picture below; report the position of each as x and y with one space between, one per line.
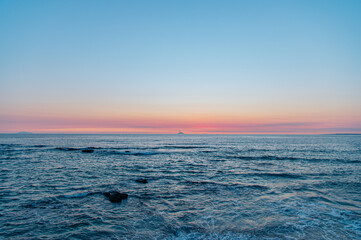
76 195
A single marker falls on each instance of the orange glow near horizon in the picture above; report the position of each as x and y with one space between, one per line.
191 124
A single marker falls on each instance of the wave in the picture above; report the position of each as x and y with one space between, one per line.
265 164
195 235
182 147
286 158
10 145
354 161
39 146
68 149
136 153
79 194
46 201
265 157
238 185
42 203
15 145
279 175
118 151
114 151
347 185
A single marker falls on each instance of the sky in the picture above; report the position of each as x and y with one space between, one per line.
254 67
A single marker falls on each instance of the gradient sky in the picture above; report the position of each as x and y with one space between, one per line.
198 66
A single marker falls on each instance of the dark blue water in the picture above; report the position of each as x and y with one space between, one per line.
199 187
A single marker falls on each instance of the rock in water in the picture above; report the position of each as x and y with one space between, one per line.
115 196
141 180
87 150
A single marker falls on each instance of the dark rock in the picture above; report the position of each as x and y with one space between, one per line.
87 150
127 151
141 180
115 196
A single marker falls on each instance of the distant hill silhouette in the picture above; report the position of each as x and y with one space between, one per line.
343 134
23 132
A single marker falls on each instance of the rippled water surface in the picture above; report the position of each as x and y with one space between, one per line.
199 187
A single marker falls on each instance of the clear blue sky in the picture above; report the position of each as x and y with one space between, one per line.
113 63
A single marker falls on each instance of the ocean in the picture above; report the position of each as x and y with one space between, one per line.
197 186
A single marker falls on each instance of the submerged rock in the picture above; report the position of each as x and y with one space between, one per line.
115 196
87 150
141 180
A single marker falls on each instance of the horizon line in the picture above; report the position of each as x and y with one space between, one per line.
212 133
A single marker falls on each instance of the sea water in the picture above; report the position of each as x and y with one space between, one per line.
199 186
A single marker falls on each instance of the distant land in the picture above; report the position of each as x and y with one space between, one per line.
23 132
343 134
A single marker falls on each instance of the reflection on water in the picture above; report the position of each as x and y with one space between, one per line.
198 187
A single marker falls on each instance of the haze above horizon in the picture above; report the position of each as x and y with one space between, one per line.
200 66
